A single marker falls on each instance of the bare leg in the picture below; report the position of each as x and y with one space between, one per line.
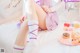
41 15
21 38
38 15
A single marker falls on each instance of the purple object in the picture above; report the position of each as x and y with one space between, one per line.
72 0
18 48
38 2
19 24
46 2
52 21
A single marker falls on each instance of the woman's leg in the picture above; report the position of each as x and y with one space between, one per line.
21 38
25 27
41 14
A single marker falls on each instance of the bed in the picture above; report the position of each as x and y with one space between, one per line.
47 40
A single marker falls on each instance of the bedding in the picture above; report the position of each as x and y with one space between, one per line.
47 40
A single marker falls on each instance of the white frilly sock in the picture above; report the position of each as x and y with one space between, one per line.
18 49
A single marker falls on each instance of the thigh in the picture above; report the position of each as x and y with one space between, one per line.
41 16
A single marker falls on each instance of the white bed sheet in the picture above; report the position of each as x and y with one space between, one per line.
47 40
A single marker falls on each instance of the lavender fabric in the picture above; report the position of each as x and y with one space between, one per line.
51 18
72 0
52 21
46 2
